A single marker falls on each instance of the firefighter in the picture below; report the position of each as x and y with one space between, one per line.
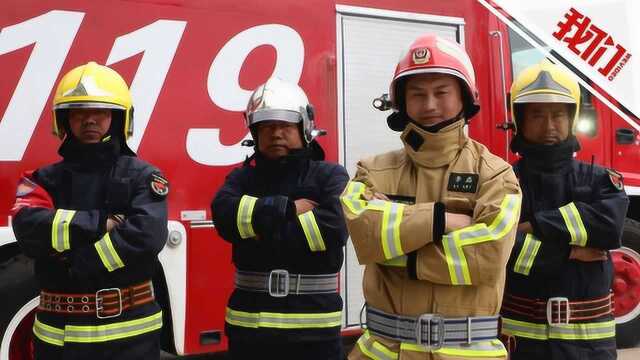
94 223
281 213
434 222
558 301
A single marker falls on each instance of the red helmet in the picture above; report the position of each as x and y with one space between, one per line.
433 54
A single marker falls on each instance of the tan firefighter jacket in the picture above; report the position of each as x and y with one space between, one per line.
414 264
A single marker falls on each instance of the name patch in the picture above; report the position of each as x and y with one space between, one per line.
466 183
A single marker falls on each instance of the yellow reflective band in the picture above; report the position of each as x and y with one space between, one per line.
108 254
312 231
524 329
574 224
581 331
60 229
48 334
527 255
283 320
245 211
390 231
492 348
478 233
352 197
584 331
374 349
97 333
400 261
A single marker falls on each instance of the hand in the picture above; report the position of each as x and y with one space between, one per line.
113 221
456 221
304 205
525 227
587 254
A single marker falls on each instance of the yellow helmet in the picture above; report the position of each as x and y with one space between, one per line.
92 86
545 83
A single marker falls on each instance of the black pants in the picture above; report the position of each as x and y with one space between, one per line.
530 349
141 347
320 350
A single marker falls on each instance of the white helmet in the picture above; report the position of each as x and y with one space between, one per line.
282 101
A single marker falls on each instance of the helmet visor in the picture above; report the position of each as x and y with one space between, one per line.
545 98
88 105
274 114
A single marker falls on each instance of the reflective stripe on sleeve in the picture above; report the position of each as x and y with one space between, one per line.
527 255
480 349
478 233
352 197
97 333
245 211
574 224
283 320
60 229
373 349
110 258
312 231
580 331
390 231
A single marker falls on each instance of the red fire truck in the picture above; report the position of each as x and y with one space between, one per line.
192 64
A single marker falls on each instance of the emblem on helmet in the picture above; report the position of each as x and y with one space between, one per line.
421 56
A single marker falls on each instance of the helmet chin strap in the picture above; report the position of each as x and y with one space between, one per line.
437 127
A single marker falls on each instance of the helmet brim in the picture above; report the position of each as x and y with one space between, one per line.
544 98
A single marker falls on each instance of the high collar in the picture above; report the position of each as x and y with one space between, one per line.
90 156
433 149
540 158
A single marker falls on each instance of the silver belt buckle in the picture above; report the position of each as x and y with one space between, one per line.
277 275
559 303
99 302
430 319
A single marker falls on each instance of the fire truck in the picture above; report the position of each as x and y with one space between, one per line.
191 66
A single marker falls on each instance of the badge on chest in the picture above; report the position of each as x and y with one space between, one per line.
460 182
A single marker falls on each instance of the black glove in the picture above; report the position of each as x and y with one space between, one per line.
270 214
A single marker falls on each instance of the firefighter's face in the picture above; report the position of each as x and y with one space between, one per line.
546 123
277 138
89 126
433 98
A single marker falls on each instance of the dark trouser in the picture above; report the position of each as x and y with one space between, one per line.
530 349
141 347
320 350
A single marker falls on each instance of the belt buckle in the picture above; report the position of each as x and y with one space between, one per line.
559 302
277 275
99 302
430 319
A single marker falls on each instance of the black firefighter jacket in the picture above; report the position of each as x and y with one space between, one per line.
59 220
254 211
570 203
